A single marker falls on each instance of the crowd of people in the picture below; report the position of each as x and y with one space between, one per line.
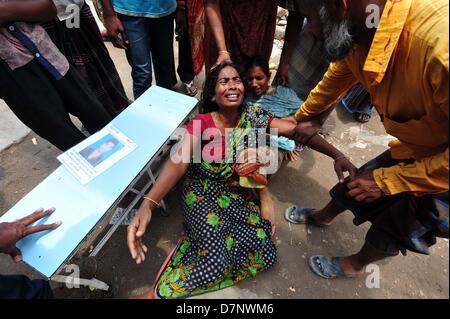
332 57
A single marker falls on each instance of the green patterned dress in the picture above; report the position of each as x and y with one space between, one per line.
226 239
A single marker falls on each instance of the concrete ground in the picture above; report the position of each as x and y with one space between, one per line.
307 181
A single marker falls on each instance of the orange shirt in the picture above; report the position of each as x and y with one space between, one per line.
406 73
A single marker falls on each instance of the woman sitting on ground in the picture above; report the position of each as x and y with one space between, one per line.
227 240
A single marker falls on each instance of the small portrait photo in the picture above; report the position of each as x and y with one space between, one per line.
101 150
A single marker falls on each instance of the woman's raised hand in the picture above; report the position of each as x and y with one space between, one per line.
136 231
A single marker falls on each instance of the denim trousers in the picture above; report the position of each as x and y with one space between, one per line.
150 40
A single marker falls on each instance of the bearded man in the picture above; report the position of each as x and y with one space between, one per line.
403 63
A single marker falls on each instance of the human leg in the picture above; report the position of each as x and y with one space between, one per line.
32 96
138 53
161 31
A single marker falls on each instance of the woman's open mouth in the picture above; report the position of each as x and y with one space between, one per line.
233 97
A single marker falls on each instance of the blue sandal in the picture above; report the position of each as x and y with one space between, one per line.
299 215
327 268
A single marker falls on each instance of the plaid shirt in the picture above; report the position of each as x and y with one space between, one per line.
308 62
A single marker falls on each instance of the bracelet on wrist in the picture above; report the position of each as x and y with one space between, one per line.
158 205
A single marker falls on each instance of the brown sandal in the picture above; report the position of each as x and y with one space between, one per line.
190 88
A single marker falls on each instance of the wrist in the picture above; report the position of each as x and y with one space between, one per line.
146 205
339 157
109 17
146 210
151 203
109 14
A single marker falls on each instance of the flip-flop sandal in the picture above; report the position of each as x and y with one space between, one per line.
299 215
190 88
327 268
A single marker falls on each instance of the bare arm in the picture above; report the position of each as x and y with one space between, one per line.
108 9
26 10
174 169
114 26
212 9
316 142
319 144
285 128
170 175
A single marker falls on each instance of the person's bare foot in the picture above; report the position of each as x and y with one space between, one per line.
350 267
320 218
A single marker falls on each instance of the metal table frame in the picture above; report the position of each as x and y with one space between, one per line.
138 195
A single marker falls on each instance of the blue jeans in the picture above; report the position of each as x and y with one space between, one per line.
151 39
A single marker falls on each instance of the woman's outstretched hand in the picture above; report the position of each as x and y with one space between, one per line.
136 231
342 165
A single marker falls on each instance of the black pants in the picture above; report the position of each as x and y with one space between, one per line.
21 287
185 69
43 103
400 222
86 51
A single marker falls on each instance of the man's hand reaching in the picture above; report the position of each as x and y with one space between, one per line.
11 233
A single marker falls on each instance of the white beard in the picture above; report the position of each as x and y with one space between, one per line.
338 41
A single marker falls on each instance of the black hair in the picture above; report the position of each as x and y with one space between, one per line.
258 61
209 88
112 140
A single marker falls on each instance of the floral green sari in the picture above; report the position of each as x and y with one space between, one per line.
226 239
